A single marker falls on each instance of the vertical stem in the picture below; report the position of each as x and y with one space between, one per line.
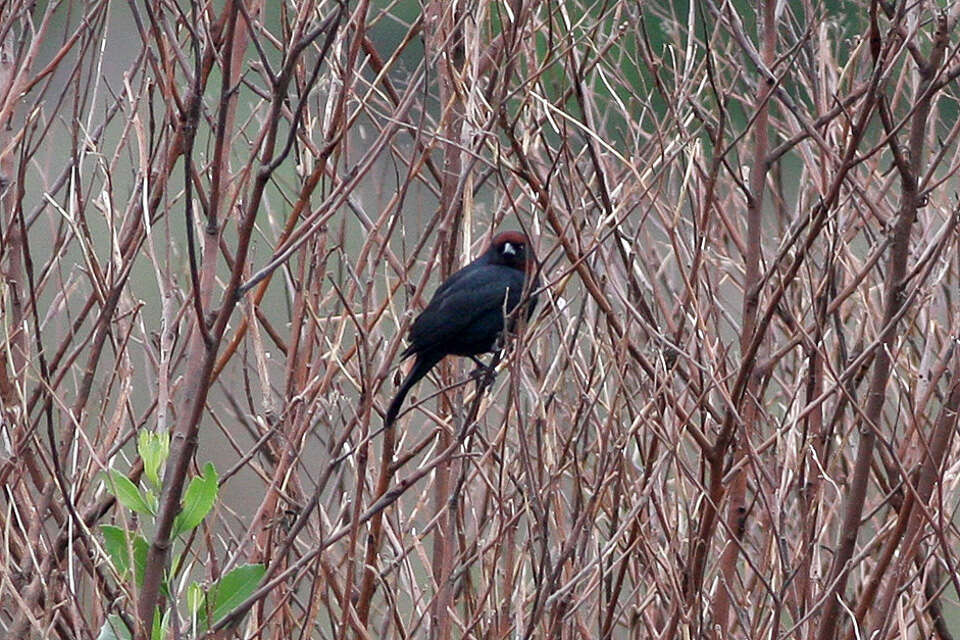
737 490
894 284
447 50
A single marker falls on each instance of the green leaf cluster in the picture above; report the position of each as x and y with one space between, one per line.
127 548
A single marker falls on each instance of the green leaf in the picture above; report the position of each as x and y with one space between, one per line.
116 542
197 500
160 625
140 549
114 628
195 597
232 589
154 448
126 492
152 500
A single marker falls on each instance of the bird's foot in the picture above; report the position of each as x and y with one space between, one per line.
478 373
485 373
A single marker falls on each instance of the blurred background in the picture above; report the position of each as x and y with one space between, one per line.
733 414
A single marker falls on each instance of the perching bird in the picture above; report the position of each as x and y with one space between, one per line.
465 316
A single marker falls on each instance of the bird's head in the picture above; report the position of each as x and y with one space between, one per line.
511 249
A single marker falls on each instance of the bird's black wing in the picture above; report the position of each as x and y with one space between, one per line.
465 316
466 272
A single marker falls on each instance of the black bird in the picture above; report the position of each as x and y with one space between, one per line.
465 316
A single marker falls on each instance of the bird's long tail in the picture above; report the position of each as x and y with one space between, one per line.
421 367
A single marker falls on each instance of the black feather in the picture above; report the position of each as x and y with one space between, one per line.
466 315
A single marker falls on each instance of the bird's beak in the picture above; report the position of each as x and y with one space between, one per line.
509 249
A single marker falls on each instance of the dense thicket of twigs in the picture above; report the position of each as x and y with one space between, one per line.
733 415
